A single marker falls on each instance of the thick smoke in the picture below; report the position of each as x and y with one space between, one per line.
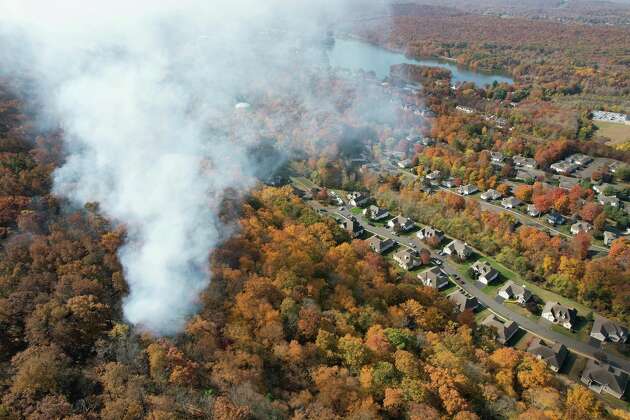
145 93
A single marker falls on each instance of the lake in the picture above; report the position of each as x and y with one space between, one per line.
356 55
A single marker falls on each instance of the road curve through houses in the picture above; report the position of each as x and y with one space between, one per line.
579 347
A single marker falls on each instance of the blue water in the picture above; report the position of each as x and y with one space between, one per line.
356 55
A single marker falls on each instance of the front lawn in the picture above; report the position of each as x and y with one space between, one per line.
515 307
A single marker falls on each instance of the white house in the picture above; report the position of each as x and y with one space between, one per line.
375 213
581 226
401 224
510 202
358 199
490 195
512 291
484 272
467 189
559 314
408 259
458 249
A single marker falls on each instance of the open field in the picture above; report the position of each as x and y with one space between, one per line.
617 133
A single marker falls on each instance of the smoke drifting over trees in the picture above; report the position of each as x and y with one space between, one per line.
145 93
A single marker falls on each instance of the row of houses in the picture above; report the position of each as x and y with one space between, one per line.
571 164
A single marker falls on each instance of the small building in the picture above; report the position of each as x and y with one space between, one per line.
510 202
560 314
465 109
375 213
504 329
513 291
580 159
467 189
433 278
564 167
533 211
358 199
555 219
405 164
581 226
554 355
352 226
449 183
497 157
429 233
609 238
458 249
408 259
433 176
608 200
602 377
463 302
490 195
401 224
484 272
601 188
524 162
606 330
380 245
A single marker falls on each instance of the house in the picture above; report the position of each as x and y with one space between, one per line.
358 199
467 189
433 176
599 189
405 164
463 302
532 210
449 183
524 162
564 167
510 202
429 233
433 278
401 224
408 259
579 159
352 226
465 109
560 314
555 219
497 157
614 117
605 200
602 377
504 329
606 330
490 195
484 272
380 245
566 183
609 237
581 226
458 249
375 213
554 356
512 291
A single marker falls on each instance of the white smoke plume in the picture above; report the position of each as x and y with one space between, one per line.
134 85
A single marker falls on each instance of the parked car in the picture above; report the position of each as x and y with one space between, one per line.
436 261
341 208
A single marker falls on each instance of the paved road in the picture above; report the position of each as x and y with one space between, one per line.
541 330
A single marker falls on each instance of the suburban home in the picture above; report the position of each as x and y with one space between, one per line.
605 200
510 202
555 219
405 164
606 330
401 224
609 237
458 249
484 272
602 377
532 210
599 189
433 278
433 176
504 329
564 167
375 213
581 226
524 162
467 189
512 291
358 199
427 141
380 245
490 195
566 183
449 183
580 159
429 233
352 226
560 314
465 109
463 302
554 356
408 259
497 157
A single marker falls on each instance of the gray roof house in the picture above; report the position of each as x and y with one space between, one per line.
467 189
504 329
560 314
463 302
429 232
510 202
433 278
497 157
458 249
352 226
484 272
532 210
602 377
524 162
449 183
358 199
408 259
581 226
490 195
554 355
513 291
606 330
401 223
611 200
432 176
375 213
380 245
609 237
555 219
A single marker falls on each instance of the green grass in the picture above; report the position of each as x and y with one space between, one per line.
493 288
305 182
581 332
452 287
482 314
515 307
522 342
356 211
617 133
